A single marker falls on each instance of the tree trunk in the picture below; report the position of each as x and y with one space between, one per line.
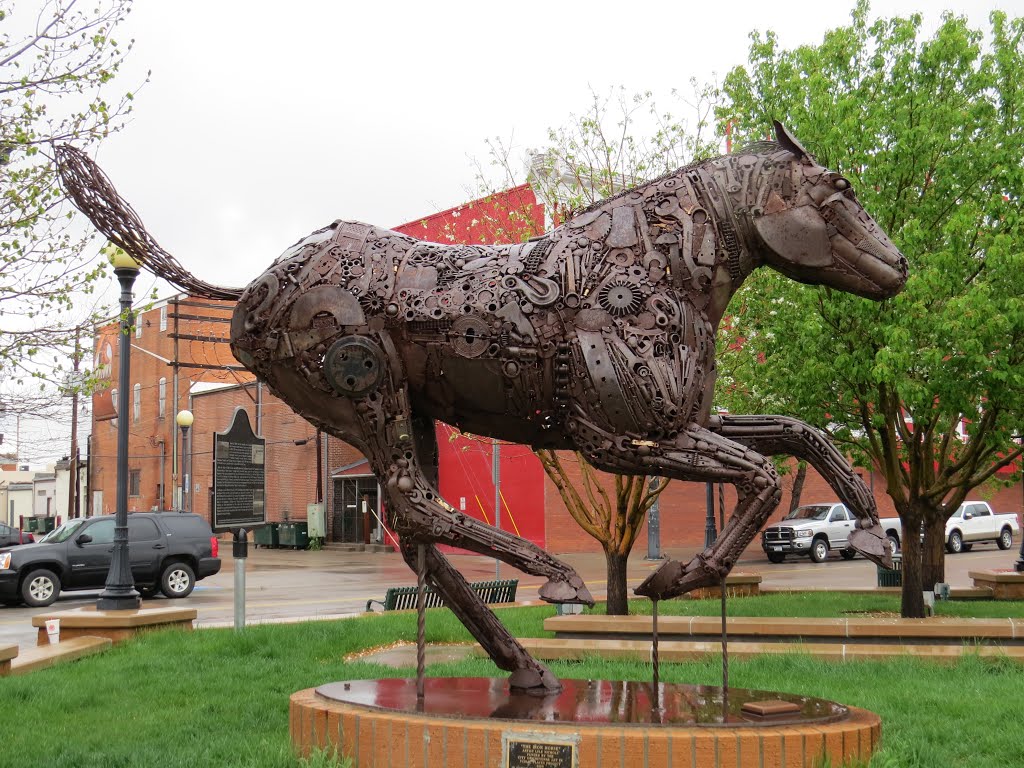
798 485
912 605
933 558
618 600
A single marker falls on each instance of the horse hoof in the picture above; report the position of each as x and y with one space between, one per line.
873 544
657 584
672 580
572 591
536 681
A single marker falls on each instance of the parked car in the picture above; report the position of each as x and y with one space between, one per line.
813 530
972 522
10 537
169 552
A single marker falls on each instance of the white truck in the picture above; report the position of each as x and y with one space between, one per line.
813 529
973 522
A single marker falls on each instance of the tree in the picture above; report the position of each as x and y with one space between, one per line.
614 523
593 156
56 65
928 386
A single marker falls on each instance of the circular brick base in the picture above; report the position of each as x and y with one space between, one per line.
386 732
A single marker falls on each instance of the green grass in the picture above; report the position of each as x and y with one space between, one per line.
214 697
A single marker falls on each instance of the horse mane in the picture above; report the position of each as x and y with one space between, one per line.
764 147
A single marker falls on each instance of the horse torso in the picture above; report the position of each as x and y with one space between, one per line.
610 317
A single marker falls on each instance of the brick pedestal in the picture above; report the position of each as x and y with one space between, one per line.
378 736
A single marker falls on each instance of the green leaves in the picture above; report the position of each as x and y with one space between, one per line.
53 88
929 132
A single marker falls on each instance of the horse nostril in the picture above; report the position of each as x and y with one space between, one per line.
904 266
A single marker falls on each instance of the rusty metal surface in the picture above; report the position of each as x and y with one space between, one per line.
598 336
596 702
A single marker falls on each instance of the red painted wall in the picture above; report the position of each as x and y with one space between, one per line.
466 482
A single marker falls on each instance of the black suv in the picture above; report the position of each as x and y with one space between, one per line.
169 552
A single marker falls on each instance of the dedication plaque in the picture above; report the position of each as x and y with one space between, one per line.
239 476
539 750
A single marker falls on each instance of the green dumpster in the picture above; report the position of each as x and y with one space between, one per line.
266 536
294 534
31 525
46 524
894 577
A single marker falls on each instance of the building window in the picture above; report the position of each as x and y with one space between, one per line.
134 482
136 402
163 318
162 397
138 325
113 399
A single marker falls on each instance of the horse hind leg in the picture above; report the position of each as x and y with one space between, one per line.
697 454
449 526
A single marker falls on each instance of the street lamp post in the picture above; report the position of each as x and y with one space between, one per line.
184 420
119 593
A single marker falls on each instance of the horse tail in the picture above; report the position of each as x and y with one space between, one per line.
93 194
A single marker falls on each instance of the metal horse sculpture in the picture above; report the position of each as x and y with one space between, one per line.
598 336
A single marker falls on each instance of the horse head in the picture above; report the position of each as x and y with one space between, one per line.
813 230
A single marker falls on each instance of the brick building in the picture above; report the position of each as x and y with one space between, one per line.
180 360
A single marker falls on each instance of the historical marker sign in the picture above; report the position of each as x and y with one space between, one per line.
539 750
239 476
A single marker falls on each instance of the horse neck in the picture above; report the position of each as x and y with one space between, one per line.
727 191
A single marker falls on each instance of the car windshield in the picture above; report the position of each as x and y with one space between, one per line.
63 533
815 512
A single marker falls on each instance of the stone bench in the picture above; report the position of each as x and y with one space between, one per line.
1005 584
774 629
15 662
581 649
115 625
737 584
7 652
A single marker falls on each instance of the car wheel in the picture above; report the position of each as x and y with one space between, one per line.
819 550
178 580
967 546
895 543
40 588
848 554
776 557
1005 539
955 545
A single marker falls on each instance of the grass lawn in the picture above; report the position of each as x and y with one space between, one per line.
217 698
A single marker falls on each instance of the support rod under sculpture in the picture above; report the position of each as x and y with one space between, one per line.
598 336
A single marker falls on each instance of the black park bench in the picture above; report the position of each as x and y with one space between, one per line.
404 598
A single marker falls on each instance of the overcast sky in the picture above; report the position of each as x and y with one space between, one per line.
263 121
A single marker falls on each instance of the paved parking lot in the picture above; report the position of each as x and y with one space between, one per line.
284 585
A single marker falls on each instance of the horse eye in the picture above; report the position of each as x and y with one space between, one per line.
841 184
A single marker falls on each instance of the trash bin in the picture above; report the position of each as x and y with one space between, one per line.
31 525
894 577
266 536
46 524
294 535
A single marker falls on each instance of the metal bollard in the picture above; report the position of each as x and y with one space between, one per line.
240 551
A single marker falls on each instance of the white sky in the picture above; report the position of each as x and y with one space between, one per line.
262 122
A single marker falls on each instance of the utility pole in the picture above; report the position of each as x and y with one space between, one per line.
73 457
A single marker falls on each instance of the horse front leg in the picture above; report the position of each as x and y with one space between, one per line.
782 435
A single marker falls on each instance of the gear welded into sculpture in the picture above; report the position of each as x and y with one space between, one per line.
598 336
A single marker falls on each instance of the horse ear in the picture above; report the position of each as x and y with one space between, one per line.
787 141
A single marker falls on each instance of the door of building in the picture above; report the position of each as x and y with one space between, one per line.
348 525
